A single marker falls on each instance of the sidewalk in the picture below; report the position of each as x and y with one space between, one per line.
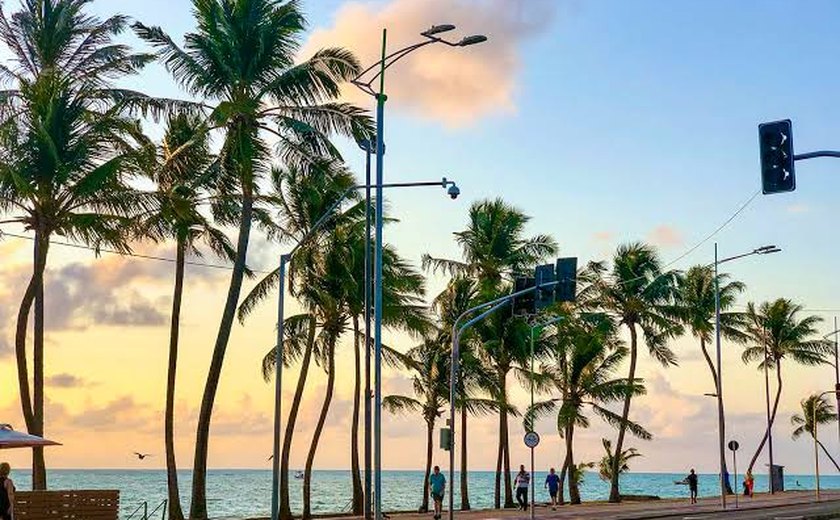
642 510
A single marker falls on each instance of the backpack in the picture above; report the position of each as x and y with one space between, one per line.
5 504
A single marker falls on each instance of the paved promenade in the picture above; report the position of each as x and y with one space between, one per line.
790 505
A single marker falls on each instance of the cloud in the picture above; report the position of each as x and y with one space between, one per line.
65 381
6 349
457 86
665 236
603 236
798 208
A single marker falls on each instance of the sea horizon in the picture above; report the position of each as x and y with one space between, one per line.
246 493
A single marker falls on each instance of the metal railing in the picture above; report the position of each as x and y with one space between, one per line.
146 515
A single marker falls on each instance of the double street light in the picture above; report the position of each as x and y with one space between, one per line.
449 185
764 250
365 82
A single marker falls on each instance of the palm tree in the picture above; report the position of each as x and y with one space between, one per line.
696 310
429 363
68 146
183 170
776 333
494 248
814 407
241 60
586 354
640 294
605 467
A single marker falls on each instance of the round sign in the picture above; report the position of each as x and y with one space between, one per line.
532 439
733 445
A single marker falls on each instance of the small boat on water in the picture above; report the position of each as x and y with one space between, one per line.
299 475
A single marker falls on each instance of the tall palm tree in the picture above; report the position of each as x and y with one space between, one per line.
184 171
585 355
814 407
494 247
640 294
429 363
695 308
240 60
776 333
68 147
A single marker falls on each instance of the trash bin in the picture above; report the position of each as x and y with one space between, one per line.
777 474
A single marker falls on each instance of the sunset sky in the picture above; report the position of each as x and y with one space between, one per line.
605 121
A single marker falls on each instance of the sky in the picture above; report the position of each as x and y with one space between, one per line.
605 121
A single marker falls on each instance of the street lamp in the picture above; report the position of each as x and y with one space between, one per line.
278 348
364 82
764 250
536 329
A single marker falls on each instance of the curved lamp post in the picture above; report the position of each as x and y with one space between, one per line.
365 82
764 250
278 353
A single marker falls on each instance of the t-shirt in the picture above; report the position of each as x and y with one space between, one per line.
522 480
437 482
553 481
692 481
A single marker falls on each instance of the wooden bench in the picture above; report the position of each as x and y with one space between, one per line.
67 505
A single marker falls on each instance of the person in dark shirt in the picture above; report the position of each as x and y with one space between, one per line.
552 482
691 480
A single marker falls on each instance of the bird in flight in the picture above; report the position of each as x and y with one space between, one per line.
142 456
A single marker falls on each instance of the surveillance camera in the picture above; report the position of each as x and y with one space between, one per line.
453 192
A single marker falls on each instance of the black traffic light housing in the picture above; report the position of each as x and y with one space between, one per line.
523 304
543 297
775 142
562 286
566 275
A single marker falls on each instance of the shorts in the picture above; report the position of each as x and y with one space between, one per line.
437 497
553 492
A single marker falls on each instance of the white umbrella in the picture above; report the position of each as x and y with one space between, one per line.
12 439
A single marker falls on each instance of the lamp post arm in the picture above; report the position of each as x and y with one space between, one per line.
386 62
814 155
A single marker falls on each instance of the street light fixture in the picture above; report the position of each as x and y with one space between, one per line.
364 82
278 349
836 369
763 250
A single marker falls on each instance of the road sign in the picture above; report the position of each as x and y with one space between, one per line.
733 445
532 439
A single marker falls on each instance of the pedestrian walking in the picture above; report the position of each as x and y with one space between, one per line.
7 493
691 480
749 482
522 482
552 482
437 486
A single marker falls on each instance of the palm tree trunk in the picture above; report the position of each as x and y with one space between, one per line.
174 496
827 454
430 430
39 468
497 492
506 446
285 507
772 415
465 493
719 398
615 494
358 493
574 487
560 499
319 428
198 504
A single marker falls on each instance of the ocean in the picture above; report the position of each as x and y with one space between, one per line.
247 493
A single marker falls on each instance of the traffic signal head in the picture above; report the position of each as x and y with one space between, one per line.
776 146
544 297
566 272
523 304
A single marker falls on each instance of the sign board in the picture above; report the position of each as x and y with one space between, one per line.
733 445
532 439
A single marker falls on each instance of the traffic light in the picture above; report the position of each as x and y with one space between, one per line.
544 274
446 439
523 304
776 147
566 276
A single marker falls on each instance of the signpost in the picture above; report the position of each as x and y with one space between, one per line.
733 445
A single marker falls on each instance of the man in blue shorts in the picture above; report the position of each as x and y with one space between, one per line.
552 482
